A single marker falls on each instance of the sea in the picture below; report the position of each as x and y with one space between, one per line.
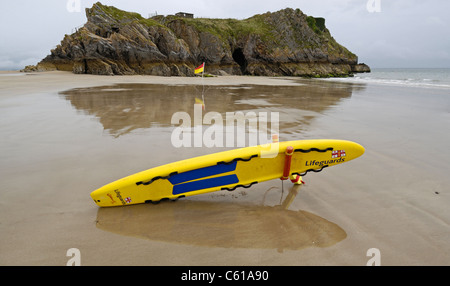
408 77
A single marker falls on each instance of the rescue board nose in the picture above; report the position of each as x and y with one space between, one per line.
357 151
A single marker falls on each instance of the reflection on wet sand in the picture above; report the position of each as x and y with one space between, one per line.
123 108
223 224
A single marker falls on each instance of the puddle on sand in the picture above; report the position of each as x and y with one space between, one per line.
123 108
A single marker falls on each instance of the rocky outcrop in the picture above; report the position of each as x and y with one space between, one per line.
287 42
360 68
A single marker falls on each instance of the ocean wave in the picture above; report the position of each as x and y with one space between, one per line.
409 77
410 82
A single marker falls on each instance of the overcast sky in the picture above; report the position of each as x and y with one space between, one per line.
383 33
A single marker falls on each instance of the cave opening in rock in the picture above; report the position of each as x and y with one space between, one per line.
85 66
239 58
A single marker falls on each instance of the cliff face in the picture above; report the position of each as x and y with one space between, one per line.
287 42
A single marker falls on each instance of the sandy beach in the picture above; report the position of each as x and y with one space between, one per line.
65 135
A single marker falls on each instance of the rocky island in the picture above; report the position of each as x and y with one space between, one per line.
282 43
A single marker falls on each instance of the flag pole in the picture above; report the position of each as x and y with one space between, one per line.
203 84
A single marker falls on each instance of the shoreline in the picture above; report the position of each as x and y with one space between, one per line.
56 81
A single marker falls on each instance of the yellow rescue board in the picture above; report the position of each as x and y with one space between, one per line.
226 171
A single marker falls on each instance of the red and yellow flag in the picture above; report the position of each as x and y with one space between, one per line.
199 101
200 68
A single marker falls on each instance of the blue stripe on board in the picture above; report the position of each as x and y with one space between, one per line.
205 184
201 173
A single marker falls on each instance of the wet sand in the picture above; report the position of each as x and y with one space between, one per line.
65 135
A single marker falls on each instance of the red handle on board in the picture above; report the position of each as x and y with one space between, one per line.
287 162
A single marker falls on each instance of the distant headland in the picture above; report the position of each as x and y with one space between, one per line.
282 43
